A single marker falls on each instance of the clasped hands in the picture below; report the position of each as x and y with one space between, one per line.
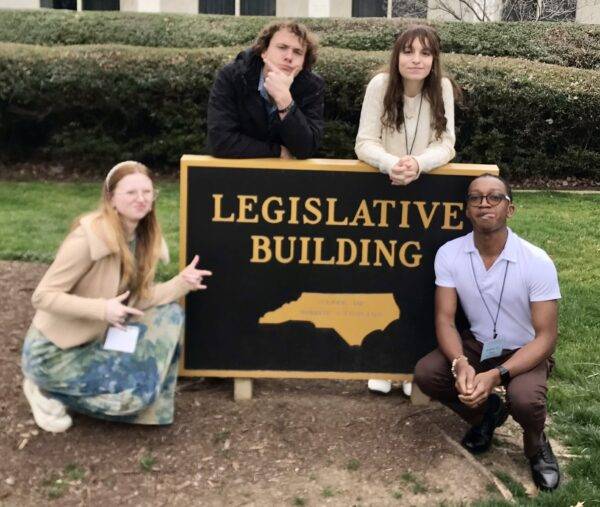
405 171
474 388
117 312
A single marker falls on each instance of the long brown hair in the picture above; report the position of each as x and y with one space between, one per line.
393 101
137 273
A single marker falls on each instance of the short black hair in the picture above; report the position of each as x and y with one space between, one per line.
500 178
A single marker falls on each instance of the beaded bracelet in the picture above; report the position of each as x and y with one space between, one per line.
456 360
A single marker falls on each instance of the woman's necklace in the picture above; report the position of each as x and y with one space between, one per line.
416 128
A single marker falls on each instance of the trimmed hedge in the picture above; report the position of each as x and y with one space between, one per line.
568 44
99 104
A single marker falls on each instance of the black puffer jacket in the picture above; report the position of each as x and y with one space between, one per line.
238 126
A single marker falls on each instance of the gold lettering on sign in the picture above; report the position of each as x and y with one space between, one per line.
340 251
331 203
319 253
261 250
388 253
362 213
451 210
217 215
246 204
294 211
312 205
304 242
404 214
415 259
342 260
383 216
278 249
364 252
278 213
425 218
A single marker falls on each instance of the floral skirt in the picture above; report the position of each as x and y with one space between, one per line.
118 386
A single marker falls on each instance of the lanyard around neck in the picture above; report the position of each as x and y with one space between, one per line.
409 150
494 320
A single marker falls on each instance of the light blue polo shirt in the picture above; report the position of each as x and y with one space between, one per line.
530 277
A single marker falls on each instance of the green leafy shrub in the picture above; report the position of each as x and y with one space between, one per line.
568 44
94 105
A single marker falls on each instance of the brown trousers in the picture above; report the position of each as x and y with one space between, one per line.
525 393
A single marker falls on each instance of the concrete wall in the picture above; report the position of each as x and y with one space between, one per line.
314 8
19 4
340 8
318 8
182 6
287 9
129 5
140 5
588 11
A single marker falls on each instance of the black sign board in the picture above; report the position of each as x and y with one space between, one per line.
321 268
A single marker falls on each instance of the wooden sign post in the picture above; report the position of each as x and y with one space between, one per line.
321 268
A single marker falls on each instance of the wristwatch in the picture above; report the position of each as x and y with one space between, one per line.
288 108
504 375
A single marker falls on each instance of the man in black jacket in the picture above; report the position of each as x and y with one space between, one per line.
268 102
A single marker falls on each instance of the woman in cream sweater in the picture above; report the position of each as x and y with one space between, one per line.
101 285
407 118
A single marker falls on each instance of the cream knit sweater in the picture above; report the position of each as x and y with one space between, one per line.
382 148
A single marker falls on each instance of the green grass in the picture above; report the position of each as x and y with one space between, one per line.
415 485
353 465
397 494
35 216
515 487
327 492
147 462
74 472
55 487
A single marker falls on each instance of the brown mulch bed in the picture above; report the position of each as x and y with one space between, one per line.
295 443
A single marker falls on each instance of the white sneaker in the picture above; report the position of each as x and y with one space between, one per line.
48 405
407 388
379 386
49 414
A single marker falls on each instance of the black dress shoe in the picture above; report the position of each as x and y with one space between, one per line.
479 438
544 467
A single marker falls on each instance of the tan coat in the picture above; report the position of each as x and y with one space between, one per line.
71 297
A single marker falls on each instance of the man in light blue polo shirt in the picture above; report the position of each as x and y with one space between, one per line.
508 289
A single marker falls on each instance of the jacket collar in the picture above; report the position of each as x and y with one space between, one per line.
99 237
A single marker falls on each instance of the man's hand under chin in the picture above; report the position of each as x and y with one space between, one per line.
277 84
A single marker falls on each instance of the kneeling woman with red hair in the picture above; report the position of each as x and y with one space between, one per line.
105 338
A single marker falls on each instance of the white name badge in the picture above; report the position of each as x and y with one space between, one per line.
493 348
122 341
